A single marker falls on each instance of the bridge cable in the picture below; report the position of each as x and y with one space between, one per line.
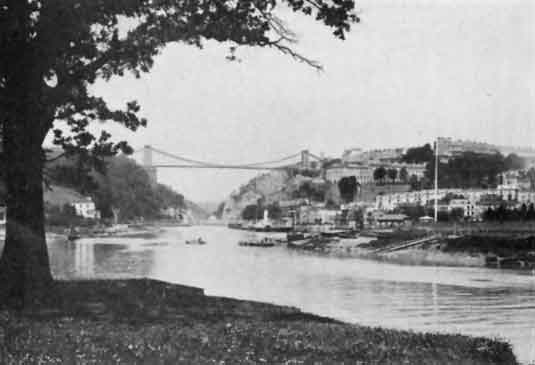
210 164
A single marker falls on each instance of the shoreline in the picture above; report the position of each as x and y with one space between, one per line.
465 251
409 256
149 321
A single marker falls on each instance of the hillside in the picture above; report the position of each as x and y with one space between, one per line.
277 186
268 186
123 185
196 211
61 195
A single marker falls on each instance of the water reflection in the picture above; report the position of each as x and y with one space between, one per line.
84 260
467 300
87 259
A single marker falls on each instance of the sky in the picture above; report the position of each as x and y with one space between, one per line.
410 71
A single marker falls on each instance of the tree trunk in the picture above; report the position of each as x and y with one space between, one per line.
24 266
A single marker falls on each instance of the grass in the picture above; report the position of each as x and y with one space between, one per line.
151 322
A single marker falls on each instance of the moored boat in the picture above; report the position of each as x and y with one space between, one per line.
198 241
264 242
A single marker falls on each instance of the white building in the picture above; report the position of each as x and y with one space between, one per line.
358 155
363 173
469 207
86 208
423 197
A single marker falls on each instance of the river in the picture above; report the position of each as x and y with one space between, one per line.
472 301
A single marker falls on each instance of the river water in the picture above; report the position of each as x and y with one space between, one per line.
473 301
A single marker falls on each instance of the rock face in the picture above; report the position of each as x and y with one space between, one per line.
269 186
277 186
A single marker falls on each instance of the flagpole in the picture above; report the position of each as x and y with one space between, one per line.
436 180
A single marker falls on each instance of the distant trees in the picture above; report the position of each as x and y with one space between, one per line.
256 211
392 174
124 185
127 186
348 188
501 213
513 162
414 183
403 175
469 170
379 174
310 190
220 210
251 212
421 154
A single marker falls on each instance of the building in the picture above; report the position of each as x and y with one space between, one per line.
86 208
424 197
417 169
510 177
363 173
357 155
468 207
316 214
508 192
448 147
390 220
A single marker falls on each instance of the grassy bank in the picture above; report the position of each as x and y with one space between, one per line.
146 321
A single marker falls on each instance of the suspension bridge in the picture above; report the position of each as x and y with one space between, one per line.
303 160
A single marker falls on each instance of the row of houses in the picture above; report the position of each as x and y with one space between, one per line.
363 172
473 201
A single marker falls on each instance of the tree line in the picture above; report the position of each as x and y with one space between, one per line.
501 213
123 185
472 170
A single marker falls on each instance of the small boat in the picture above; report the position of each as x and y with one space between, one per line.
313 243
73 234
265 242
298 236
73 237
339 233
198 241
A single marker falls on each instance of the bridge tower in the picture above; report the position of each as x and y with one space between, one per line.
147 164
305 159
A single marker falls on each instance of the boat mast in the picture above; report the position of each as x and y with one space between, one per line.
436 180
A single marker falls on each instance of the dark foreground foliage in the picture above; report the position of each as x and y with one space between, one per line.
150 322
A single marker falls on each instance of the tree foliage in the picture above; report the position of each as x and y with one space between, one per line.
256 211
392 174
514 162
311 190
379 174
348 188
53 51
501 213
469 170
404 175
421 154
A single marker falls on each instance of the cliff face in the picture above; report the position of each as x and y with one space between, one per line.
269 187
278 186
